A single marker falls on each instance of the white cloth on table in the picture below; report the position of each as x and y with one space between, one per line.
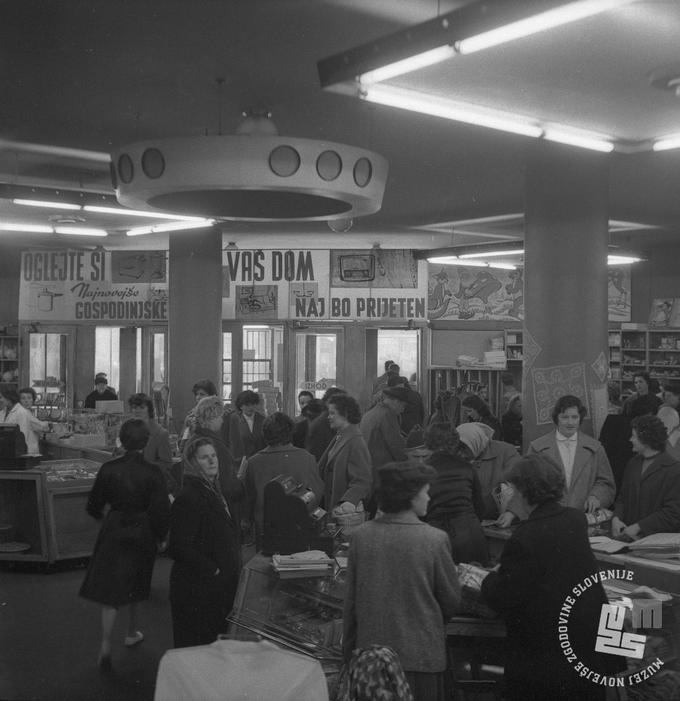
235 670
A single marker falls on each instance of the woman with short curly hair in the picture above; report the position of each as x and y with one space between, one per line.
649 500
345 465
541 565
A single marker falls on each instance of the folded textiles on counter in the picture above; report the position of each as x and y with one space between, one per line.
604 544
657 542
310 563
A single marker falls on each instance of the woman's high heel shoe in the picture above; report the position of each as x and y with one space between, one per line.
104 662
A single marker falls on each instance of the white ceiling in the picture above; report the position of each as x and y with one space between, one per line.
96 75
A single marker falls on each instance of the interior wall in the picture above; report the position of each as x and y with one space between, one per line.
10 265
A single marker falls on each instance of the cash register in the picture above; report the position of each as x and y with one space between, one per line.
293 520
13 449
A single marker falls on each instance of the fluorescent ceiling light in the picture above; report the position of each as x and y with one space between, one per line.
578 139
170 226
406 65
79 231
139 213
622 260
570 12
454 260
27 228
667 143
491 254
50 205
448 109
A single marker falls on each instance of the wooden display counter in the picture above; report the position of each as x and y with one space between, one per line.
45 507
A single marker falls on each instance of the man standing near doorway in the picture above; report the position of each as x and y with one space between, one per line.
382 433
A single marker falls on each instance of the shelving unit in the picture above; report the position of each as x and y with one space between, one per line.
656 351
9 359
466 380
514 346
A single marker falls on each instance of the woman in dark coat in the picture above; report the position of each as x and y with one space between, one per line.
456 503
137 521
245 426
204 543
474 408
542 563
208 423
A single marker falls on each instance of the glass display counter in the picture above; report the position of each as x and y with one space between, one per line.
303 614
43 511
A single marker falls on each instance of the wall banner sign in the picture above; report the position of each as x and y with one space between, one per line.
103 287
362 285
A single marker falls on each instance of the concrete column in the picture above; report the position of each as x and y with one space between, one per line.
195 325
565 324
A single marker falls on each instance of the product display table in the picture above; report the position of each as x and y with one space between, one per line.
236 669
44 509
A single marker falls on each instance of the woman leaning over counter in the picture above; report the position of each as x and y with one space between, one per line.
402 583
543 561
204 543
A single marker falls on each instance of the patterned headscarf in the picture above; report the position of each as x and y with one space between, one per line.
374 673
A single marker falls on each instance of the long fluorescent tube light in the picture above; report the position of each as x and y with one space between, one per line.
50 205
170 226
622 260
79 231
574 139
491 254
667 143
454 260
27 228
556 17
448 109
406 65
139 213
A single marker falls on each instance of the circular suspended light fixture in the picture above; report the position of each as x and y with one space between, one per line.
253 175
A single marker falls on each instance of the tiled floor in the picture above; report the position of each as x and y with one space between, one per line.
49 638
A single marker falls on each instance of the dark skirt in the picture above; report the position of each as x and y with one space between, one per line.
468 542
121 565
200 605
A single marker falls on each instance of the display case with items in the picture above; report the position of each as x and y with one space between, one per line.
44 510
9 359
302 613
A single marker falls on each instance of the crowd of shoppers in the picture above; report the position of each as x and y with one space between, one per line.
425 513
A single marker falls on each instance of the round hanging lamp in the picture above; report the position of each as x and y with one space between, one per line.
250 176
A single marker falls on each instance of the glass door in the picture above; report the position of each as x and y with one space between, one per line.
318 360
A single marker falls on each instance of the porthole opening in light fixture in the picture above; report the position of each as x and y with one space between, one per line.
329 165
363 171
126 169
153 163
284 161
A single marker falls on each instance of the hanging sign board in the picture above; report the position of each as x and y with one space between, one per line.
362 285
97 286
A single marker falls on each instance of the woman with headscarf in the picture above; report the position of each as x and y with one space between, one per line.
208 422
120 569
204 543
491 460
455 495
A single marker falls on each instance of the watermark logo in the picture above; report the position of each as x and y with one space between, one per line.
612 637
